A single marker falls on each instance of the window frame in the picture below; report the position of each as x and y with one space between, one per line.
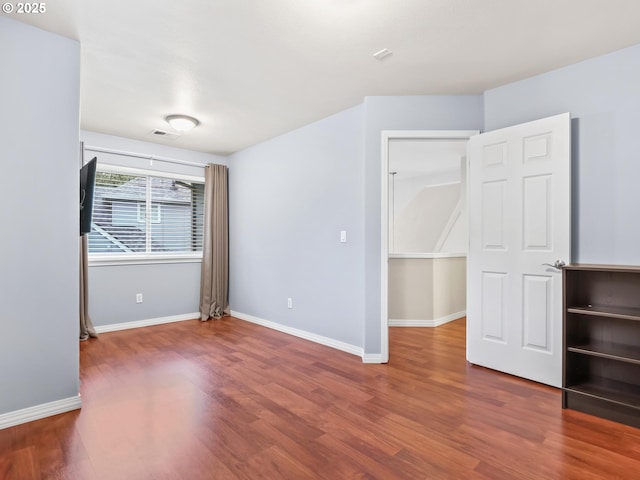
142 213
116 258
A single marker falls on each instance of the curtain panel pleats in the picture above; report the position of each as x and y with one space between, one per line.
214 282
86 326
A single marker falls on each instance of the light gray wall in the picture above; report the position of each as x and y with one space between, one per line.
39 214
290 196
399 113
93 139
603 97
167 289
289 199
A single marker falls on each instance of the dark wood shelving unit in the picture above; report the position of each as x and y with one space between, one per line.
622 353
613 311
601 361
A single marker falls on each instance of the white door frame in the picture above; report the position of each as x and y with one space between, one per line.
388 135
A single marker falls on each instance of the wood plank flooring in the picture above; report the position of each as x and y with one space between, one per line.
231 400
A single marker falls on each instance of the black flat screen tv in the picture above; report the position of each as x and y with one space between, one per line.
87 184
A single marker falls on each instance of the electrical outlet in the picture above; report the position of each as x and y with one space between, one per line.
138 298
289 302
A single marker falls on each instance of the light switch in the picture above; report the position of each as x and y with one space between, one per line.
343 236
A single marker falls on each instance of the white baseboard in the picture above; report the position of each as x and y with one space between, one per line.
30 414
146 323
427 323
326 341
372 358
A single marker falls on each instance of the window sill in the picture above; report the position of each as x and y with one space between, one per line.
114 260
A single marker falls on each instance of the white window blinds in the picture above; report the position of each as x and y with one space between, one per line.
141 215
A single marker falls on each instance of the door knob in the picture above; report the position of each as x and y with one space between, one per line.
558 264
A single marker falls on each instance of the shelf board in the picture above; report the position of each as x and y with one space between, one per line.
624 313
610 390
586 267
612 351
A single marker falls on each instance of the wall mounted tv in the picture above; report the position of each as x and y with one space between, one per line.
87 184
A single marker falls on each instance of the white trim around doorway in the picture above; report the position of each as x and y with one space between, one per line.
386 136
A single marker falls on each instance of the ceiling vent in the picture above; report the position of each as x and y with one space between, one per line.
382 54
164 134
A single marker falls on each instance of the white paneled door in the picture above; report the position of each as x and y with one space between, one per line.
519 225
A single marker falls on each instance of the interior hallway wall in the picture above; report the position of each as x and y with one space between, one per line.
289 199
39 214
460 112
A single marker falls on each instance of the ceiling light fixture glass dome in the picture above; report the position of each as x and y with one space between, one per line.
182 123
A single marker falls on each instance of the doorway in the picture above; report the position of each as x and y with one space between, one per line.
423 228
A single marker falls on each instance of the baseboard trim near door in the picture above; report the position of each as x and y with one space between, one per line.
326 341
372 358
147 323
18 417
427 323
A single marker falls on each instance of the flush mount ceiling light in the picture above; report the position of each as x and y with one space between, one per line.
182 123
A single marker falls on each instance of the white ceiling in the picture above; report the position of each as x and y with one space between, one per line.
250 70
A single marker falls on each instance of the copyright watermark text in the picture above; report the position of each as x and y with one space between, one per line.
24 8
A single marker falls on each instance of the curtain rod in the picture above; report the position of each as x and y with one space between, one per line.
151 158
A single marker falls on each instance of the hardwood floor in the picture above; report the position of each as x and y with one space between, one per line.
231 400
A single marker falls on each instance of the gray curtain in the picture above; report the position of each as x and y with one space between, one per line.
214 282
86 327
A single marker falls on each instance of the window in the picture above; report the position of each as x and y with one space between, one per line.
155 213
142 215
